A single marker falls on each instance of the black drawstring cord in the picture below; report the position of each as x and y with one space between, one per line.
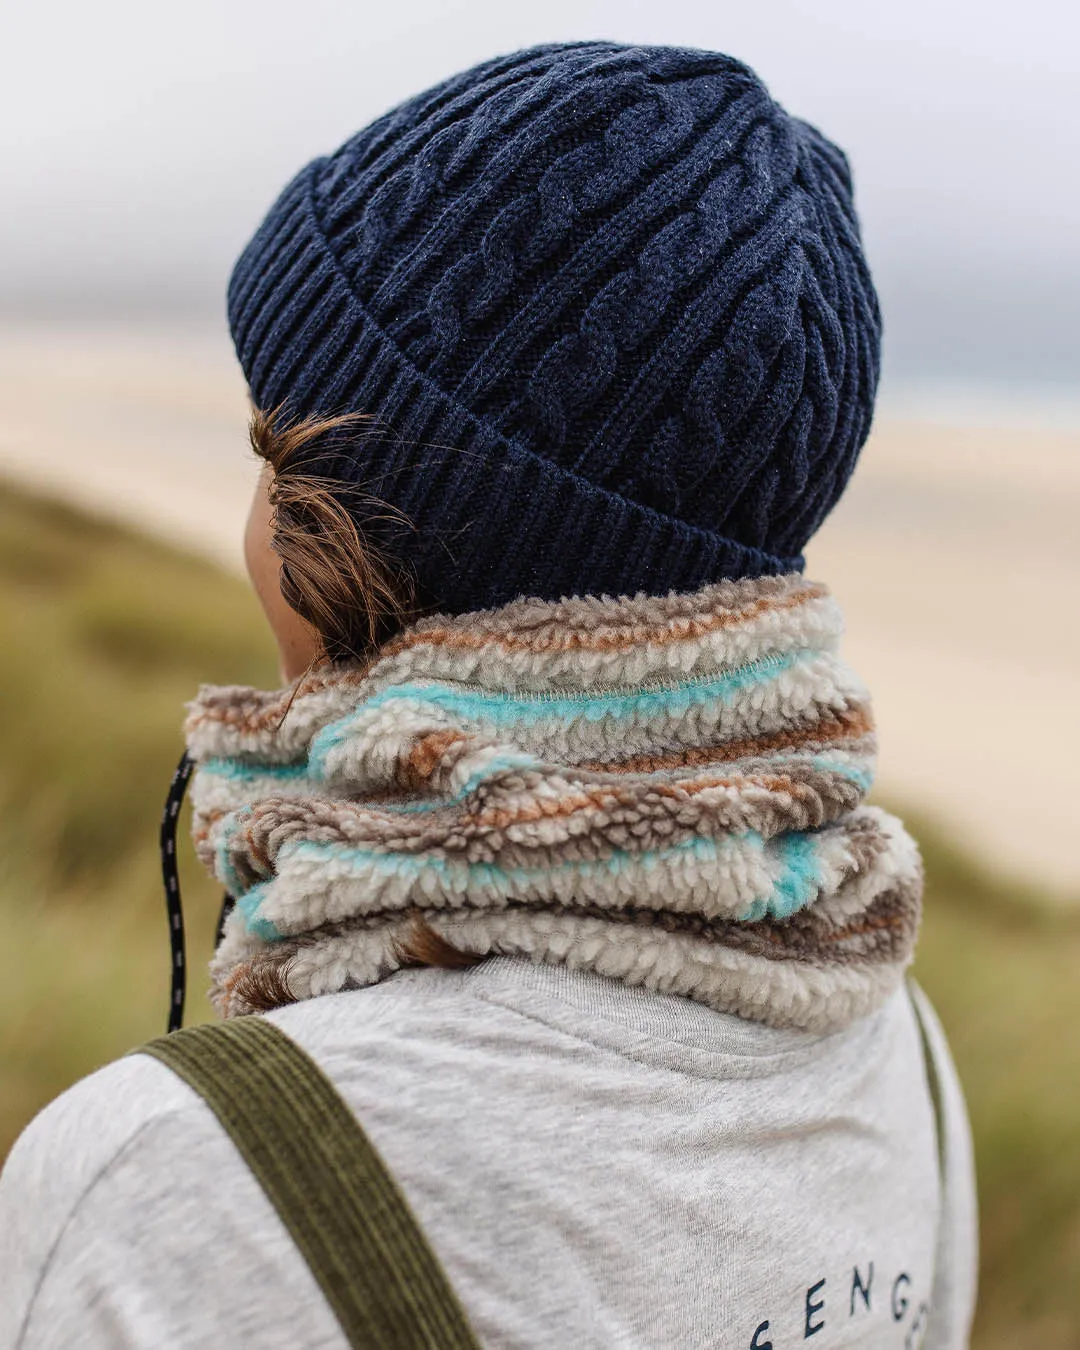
171 876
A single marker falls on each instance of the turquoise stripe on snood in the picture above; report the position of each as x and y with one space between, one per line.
506 708
796 886
224 869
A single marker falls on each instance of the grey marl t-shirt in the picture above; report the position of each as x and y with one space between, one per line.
596 1166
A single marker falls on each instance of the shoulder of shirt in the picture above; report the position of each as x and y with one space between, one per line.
87 1126
68 1147
64 1153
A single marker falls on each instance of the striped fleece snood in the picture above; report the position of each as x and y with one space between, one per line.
668 791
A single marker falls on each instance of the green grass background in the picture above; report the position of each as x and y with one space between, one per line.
106 634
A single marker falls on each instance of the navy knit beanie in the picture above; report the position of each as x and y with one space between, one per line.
608 309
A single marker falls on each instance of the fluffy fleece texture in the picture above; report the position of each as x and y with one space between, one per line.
668 791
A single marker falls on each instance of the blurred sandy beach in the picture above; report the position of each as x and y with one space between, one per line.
953 553
955 556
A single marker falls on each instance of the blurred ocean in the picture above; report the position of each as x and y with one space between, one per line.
1000 403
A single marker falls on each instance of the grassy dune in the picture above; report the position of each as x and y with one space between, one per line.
106 634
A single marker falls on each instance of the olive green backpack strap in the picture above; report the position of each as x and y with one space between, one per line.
329 1186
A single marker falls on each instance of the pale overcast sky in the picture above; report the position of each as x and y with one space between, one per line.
140 142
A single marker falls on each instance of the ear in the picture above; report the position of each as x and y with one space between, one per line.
298 642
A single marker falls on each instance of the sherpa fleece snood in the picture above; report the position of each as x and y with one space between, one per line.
667 791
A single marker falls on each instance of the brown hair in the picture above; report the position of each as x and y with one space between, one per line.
352 594
332 575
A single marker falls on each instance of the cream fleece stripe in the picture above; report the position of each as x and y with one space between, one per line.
896 862
631 619
318 884
881 933
779 993
308 893
816 623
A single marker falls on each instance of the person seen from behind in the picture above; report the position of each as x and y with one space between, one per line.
563 982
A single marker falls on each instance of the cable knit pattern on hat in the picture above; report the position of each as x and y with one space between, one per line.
667 791
607 302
